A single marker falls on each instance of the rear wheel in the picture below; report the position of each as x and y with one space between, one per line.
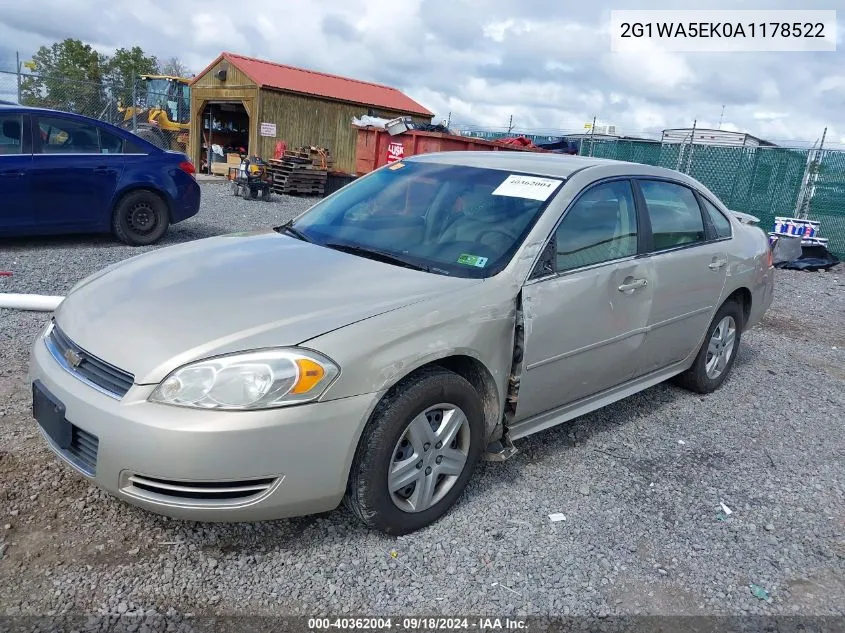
140 218
718 352
417 453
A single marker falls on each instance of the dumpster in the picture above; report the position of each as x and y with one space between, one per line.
375 147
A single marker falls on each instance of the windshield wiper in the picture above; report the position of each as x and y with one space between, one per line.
287 227
378 255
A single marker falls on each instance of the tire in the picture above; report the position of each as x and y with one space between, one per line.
696 378
140 218
246 192
235 188
386 440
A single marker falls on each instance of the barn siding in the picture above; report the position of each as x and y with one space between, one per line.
305 120
237 87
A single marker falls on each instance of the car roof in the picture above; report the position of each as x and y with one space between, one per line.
544 163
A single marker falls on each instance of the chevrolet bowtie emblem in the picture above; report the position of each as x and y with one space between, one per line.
72 357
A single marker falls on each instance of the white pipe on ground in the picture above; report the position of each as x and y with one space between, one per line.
35 303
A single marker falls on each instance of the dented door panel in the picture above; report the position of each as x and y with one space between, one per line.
583 332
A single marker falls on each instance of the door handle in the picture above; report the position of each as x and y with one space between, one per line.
630 286
716 264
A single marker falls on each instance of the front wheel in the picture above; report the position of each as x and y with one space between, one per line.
417 453
140 218
718 352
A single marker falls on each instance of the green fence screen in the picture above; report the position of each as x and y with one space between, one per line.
763 181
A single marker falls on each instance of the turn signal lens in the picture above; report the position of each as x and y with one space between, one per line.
310 373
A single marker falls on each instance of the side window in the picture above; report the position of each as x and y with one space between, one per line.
720 222
110 143
601 226
675 215
11 134
63 136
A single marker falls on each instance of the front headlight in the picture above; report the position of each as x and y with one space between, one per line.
248 381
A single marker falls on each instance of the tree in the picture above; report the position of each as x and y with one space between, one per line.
123 70
175 68
67 76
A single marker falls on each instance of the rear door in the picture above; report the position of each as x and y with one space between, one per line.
74 174
16 204
587 307
689 272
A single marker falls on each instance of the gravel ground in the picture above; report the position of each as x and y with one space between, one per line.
640 484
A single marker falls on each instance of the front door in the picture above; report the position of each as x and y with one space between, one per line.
16 207
75 176
585 314
690 265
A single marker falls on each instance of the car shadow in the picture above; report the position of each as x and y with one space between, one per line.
244 539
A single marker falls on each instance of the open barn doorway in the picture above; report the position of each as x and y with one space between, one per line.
225 134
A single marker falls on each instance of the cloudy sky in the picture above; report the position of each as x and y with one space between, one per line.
547 63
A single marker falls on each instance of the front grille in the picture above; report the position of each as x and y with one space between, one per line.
83 450
197 493
88 368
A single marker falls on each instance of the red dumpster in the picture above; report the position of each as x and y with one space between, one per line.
376 147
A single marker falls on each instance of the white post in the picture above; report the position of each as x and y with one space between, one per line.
35 303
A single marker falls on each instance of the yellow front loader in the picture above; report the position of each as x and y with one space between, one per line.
162 112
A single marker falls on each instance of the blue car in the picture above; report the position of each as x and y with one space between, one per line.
64 173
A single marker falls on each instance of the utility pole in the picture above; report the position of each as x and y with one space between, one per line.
592 132
721 116
448 120
510 125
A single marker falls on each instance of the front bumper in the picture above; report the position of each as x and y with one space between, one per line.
206 465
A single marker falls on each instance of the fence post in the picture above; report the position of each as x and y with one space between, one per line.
18 72
691 147
134 103
592 132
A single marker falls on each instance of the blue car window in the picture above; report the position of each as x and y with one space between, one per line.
63 136
11 126
110 143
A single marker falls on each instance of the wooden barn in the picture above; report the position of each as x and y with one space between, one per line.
242 102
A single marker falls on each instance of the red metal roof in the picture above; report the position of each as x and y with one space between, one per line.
280 77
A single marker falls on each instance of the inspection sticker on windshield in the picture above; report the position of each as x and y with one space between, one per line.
529 187
472 260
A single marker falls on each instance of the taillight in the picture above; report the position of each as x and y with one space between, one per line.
188 167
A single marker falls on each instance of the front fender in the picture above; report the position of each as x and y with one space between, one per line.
377 353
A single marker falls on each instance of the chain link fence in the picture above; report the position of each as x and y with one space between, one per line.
156 109
764 181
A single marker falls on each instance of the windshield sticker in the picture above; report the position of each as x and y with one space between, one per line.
529 187
396 166
472 260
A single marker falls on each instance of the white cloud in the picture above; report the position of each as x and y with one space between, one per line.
546 63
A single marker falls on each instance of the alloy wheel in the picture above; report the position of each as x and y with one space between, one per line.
720 349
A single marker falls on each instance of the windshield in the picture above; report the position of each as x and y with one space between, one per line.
157 90
171 96
448 219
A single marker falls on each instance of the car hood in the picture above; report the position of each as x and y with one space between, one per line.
156 311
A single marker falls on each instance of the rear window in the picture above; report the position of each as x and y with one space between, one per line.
111 143
720 222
